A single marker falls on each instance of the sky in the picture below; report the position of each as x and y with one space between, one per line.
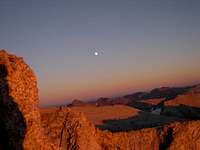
141 44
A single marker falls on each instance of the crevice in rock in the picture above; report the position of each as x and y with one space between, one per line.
62 130
167 139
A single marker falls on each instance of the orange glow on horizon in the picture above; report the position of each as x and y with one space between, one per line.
118 84
115 87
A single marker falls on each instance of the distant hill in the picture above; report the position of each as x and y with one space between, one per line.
190 98
165 93
157 93
77 102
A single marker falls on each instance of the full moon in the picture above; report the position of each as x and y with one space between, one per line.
96 53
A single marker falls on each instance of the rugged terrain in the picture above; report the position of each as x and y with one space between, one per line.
137 126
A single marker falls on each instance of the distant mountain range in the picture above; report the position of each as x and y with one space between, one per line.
165 93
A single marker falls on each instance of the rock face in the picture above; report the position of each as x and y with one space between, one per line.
20 117
186 136
181 136
69 130
145 139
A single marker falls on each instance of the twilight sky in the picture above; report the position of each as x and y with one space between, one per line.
141 44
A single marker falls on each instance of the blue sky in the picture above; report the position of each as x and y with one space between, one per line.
142 44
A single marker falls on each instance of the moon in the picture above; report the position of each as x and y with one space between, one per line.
96 53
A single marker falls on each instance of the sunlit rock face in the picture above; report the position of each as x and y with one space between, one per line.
20 118
186 136
69 129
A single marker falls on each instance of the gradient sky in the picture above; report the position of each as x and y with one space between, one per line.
141 43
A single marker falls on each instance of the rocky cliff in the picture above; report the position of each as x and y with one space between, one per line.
181 136
20 117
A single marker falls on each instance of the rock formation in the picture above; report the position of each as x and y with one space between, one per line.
186 136
20 117
70 130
